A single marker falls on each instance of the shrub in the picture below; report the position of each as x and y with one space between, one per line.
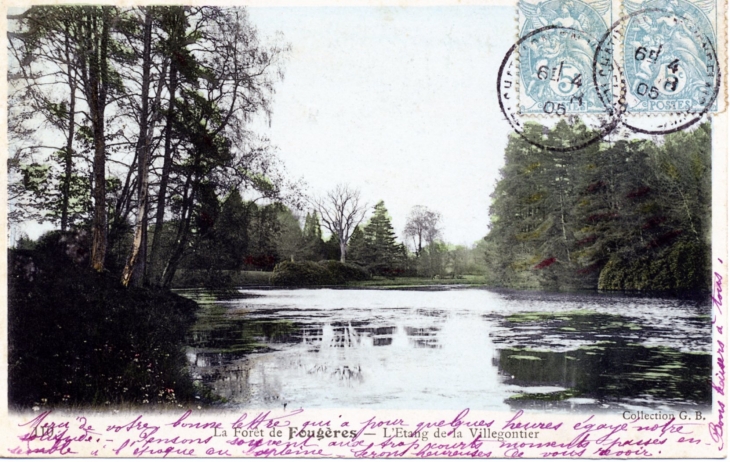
305 273
343 272
79 337
326 272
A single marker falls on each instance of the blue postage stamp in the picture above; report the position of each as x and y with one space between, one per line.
670 56
556 59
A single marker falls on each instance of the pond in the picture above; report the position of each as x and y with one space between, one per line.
451 348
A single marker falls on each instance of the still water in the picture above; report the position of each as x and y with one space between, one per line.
451 348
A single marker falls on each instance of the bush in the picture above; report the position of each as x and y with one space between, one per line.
305 273
79 337
324 273
343 272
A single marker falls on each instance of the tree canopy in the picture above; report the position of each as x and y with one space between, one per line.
153 105
622 215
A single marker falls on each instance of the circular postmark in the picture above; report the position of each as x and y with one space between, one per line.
670 69
654 72
554 64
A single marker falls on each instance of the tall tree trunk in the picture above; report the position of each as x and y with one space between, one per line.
134 270
68 157
562 223
190 190
97 55
181 238
176 42
166 167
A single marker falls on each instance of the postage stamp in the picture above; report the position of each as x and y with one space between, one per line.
670 56
555 67
368 229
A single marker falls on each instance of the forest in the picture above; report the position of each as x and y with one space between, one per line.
626 215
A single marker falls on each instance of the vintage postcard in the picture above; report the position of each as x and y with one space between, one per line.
365 229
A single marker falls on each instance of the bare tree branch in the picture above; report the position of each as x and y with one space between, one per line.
341 211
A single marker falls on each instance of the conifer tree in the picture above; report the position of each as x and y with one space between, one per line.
381 250
313 243
358 247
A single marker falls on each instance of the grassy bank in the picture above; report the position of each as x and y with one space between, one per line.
79 338
235 278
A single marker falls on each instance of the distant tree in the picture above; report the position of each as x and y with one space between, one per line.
264 231
230 235
458 260
291 244
341 210
331 248
433 259
381 252
422 227
477 263
313 243
357 249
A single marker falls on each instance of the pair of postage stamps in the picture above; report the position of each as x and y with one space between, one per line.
651 67
628 58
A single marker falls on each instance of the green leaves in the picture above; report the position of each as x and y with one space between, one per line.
375 245
602 211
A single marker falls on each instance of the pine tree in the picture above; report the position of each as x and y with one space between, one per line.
313 243
357 248
331 248
381 252
518 214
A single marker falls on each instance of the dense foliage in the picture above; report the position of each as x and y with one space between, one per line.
375 245
79 337
343 272
307 273
145 117
631 215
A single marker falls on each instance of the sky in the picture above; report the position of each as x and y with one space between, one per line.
399 102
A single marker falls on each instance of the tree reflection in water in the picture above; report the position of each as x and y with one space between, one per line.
452 349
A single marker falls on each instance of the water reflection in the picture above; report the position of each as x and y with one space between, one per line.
608 374
451 349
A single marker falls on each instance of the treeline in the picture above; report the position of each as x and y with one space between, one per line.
625 215
246 237
130 126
